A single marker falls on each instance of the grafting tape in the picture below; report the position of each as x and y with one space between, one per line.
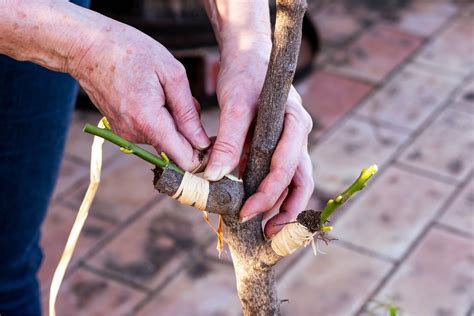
193 191
290 238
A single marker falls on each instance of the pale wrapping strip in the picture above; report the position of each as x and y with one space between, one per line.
290 238
193 190
96 165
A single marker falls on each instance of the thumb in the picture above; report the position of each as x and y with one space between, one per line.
225 155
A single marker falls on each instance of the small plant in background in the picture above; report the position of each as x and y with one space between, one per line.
386 308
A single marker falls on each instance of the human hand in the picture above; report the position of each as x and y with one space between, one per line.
141 89
289 185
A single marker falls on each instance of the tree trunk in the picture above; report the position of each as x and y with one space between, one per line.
251 254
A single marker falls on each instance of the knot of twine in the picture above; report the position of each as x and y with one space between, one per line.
290 238
193 190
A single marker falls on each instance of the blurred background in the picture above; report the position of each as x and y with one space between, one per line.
386 82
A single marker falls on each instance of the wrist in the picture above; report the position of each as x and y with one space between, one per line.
241 26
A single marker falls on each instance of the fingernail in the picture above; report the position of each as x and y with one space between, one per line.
214 172
202 140
247 218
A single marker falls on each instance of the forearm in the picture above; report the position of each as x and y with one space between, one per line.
51 33
241 26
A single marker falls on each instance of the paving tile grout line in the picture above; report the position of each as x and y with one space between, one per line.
182 266
426 123
121 227
399 129
470 310
426 173
83 180
74 159
453 230
365 251
151 294
463 184
375 123
103 273
414 244
86 163
297 257
462 111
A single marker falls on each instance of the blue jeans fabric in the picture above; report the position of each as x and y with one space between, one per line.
35 111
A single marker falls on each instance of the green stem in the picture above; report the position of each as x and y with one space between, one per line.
130 147
355 187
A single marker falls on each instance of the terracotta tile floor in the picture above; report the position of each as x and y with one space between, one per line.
394 88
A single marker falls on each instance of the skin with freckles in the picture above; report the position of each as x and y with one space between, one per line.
144 92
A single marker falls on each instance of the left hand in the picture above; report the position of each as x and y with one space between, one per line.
289 185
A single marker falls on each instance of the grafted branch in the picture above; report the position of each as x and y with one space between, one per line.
225 196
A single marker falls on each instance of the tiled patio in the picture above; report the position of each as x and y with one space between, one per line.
396 90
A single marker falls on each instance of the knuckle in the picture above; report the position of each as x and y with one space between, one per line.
267 201
283 175
308 121
295 95
229 149
292 118
234 111
177 72
309 182
301 117
186 114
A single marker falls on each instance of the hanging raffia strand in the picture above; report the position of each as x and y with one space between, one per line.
96 166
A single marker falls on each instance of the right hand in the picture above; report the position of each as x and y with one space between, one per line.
141 89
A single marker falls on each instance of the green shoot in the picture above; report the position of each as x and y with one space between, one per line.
129 148
355 187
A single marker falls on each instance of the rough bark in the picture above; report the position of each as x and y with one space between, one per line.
225 196
252 256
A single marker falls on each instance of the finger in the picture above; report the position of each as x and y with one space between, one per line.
183 107
300 192
165 137
276 208
284 163
294 95
234 121
197 106
245 154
